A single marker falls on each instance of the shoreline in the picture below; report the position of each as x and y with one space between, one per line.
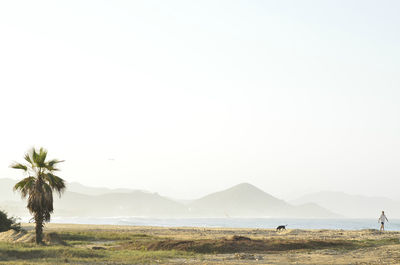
240 223
393 226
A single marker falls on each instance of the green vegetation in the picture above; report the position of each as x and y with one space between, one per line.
86 248
22 253
39 186
102 236
7 223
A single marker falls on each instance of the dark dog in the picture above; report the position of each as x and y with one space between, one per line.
281 227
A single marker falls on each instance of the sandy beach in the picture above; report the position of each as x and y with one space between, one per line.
211 245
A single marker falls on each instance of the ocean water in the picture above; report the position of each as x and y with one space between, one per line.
293 223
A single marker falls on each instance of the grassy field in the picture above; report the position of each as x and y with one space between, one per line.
87 247
84 244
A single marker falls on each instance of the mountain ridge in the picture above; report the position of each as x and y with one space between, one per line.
242 200
249 200
352 206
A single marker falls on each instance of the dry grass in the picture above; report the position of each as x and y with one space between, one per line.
238 244
91 244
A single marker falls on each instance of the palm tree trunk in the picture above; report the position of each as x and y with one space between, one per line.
39 228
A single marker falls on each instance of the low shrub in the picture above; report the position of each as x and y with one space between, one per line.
7 223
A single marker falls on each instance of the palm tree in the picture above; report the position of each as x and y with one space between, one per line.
38 186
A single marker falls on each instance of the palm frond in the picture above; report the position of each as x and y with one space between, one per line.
42 156
19 166
28 158
25 186
51 165
56 183
40 201
35 156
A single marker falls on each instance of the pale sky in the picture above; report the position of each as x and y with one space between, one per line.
191 97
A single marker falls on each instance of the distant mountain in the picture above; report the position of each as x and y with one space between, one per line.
97 202
79 188
353 206
7 193
243 200
6 190
246 200
10 201
136 203
312 210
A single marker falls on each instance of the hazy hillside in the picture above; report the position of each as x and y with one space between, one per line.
246 200
6 190
79 188
353 206
122 203
243 200
136 203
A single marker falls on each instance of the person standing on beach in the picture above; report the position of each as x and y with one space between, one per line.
382 220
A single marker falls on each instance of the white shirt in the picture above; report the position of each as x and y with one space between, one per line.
383 218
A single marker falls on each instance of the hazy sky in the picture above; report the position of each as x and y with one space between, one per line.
190 97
